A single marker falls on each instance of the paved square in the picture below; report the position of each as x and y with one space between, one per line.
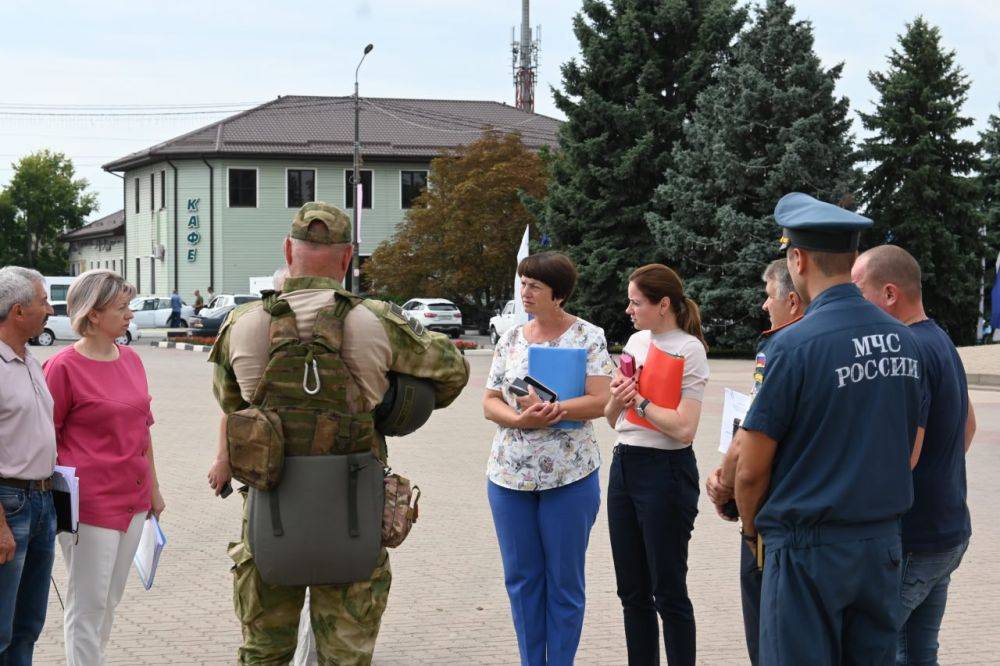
448 604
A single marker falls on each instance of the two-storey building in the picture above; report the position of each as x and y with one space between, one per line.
97 244
212 207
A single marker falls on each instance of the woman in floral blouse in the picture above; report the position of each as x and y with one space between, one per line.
543 484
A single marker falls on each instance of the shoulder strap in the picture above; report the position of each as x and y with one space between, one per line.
329 327
283 329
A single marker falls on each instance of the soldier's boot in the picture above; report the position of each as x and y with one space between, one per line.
346 618
268 614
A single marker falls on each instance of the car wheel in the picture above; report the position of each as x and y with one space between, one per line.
46 338
124 339
494 338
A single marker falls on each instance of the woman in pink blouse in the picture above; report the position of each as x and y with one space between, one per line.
102 420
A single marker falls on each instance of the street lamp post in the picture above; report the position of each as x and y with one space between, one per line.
356 260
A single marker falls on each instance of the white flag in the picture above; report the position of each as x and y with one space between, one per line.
522 252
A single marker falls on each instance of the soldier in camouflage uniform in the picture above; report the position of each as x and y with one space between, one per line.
377 339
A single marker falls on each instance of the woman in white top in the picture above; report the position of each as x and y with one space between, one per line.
543 485
653 485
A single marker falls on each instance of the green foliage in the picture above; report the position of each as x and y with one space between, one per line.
919 191
989 183
460 239
769 126
643 64
42 201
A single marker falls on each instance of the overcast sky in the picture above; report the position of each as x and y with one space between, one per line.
118 53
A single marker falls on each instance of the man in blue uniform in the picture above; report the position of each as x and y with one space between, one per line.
936 530
843 397
784 307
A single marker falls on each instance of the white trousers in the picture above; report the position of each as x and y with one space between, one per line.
98 561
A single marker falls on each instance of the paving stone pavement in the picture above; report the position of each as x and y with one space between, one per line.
448 604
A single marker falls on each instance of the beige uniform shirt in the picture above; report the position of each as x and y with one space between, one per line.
27 435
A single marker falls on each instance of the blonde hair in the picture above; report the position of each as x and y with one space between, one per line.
94 290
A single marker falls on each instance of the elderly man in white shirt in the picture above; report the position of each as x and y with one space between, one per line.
27 458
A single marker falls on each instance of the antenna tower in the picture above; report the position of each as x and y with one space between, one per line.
524 57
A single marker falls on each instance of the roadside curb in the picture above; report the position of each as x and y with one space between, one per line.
183 346
983 380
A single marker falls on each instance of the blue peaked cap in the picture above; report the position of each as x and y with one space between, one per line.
815 225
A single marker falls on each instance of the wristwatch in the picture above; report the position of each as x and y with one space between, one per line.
640 409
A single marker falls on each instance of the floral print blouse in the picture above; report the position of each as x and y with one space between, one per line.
543 458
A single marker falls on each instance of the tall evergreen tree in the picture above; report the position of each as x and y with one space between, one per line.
919 191
989 182
643 64
769 126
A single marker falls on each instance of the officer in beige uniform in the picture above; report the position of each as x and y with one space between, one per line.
315 344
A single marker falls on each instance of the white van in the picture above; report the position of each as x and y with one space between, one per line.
58 286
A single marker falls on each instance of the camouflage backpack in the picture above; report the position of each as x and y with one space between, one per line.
300 405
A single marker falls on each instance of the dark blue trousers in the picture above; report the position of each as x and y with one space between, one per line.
750 582
828 603
24 581
543 544
652 504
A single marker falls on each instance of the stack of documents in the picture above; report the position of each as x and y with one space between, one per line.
147 556
66 498
734 410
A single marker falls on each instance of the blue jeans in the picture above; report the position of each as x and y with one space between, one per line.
925 593
543 539
652 504
24 581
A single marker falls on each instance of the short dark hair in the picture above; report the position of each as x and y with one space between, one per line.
831 263
891 263
553 269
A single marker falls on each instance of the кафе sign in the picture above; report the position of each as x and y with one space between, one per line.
194 236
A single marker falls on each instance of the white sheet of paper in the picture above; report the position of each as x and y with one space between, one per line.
147 556
65 479
734 406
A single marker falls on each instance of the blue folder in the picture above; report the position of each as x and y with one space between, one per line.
564 370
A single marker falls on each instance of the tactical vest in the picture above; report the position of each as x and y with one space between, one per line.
315 468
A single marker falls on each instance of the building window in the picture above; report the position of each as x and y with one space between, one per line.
242 188
163 189
411 183
301 186
366 188
137 195
152 191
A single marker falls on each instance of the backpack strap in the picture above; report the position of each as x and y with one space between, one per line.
283 330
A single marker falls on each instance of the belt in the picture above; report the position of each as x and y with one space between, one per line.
805 536
41 485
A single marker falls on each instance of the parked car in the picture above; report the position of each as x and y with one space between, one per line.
436 314
57 286
210 319
505 320
154 311
58 327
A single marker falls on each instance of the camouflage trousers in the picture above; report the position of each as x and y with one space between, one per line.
345 618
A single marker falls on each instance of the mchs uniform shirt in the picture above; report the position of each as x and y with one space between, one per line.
843 395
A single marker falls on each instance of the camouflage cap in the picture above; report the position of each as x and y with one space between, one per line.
336 229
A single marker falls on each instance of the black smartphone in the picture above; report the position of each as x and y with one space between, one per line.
227 490
730 510
519 388
545 394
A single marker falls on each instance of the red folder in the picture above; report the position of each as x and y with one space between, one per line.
659 382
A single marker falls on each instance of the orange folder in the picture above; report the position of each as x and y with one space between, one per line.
659 382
